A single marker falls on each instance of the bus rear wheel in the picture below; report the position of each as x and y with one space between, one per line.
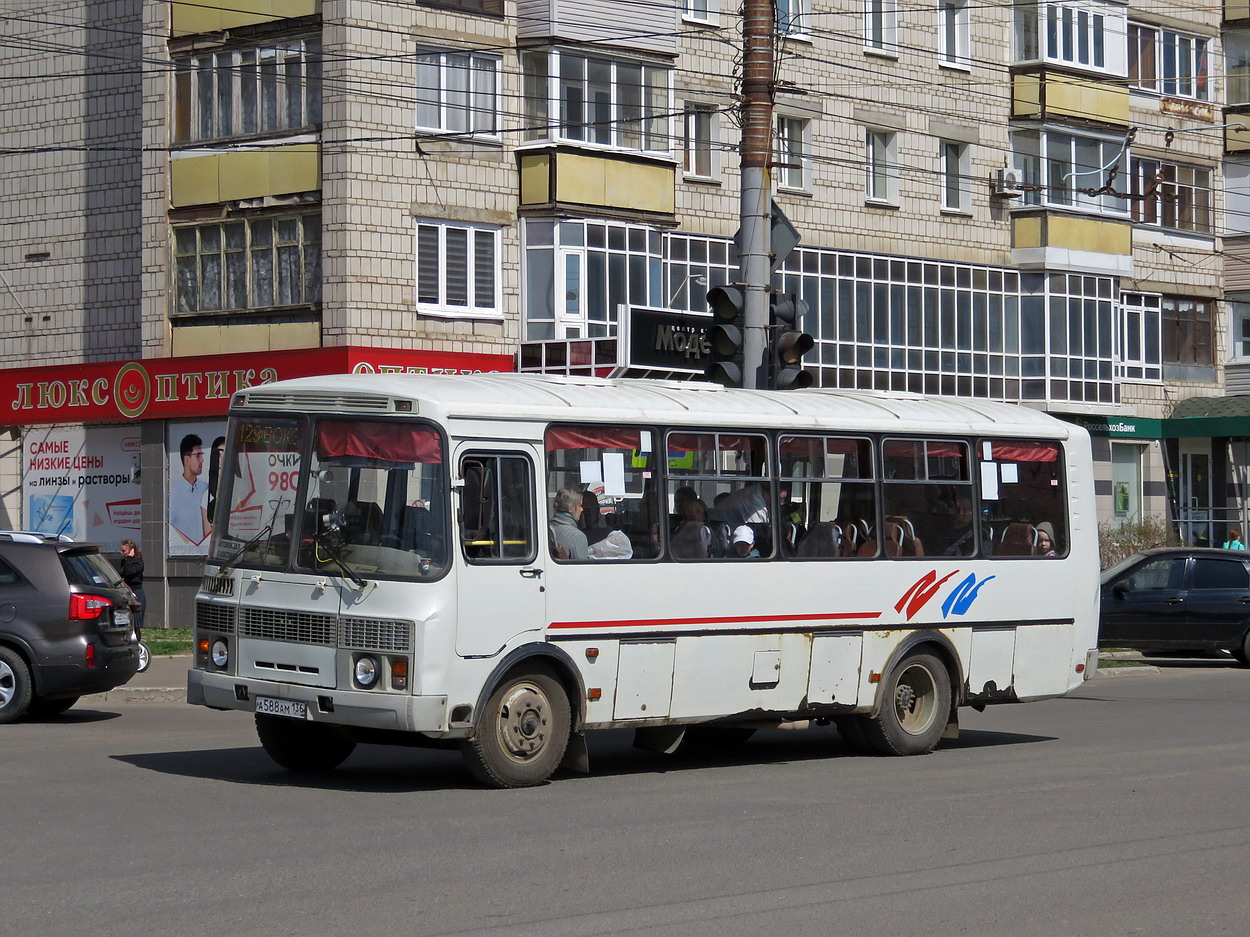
304 746
523 732
915 706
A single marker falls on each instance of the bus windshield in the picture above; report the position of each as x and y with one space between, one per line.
372 502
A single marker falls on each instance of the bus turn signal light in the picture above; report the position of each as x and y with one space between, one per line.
399 673
594 693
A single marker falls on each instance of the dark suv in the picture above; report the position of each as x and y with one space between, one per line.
64 624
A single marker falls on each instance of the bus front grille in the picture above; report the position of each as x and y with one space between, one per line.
213 616
376 634
279 624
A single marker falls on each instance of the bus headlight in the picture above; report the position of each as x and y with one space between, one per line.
366 672
221 654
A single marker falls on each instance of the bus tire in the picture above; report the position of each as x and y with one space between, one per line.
524 730
915 706
304 746
853 732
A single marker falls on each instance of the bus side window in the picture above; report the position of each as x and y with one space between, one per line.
497 509
1025 502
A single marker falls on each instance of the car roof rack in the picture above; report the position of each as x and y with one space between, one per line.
33 536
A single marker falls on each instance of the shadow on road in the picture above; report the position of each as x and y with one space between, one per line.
73 717
385 769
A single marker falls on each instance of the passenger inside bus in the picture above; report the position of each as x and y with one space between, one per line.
567 536
744 542
693 539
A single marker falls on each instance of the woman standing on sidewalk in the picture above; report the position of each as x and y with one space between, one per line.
132 574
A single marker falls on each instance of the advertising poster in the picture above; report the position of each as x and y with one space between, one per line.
195 458
82 482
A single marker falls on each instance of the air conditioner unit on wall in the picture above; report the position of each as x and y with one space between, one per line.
1007 183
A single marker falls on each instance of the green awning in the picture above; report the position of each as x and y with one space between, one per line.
1210 417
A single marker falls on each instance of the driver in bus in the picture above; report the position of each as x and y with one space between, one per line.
564 530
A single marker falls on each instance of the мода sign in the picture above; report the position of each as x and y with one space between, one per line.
160 388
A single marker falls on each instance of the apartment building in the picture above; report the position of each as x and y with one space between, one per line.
1017 202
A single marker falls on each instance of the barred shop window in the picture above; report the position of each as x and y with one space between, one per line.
250 263
248 91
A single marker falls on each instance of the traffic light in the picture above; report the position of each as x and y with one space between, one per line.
786 344
728 305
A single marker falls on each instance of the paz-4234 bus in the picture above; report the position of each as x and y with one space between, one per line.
504 562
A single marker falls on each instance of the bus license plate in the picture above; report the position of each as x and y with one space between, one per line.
282 707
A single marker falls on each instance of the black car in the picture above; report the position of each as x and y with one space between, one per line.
64 624
1180 600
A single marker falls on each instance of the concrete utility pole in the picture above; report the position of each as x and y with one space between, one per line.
759 25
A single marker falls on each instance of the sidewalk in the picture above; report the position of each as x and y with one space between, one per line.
165 681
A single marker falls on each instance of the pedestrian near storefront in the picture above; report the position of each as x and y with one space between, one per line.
132 575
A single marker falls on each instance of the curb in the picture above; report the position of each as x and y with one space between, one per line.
1145 671
150 694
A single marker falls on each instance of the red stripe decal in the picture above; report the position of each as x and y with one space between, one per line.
680 622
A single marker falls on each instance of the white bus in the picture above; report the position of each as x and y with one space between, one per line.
386 565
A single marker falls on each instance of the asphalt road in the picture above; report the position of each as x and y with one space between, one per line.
1120 810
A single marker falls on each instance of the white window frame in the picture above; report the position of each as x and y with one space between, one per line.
955 160
1089 35
700 131
1238 331
1055 164
1168 52
1140 338
469 110
442 305
880 167
954 35
1181 192
699 11
793 133
625 126
1236 44
881 27
792 18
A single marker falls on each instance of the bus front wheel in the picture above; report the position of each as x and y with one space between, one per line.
915 706
523 732
303 746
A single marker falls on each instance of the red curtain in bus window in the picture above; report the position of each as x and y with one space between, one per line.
389 442
1012 451
592 437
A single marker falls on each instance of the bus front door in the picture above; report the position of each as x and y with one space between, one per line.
500 589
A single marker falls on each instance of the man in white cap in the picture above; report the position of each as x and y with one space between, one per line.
744 542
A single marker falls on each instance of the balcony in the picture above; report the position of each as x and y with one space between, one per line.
630 186
1050 94
210 16
1050 240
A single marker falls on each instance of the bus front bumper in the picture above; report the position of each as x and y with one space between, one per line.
373 710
